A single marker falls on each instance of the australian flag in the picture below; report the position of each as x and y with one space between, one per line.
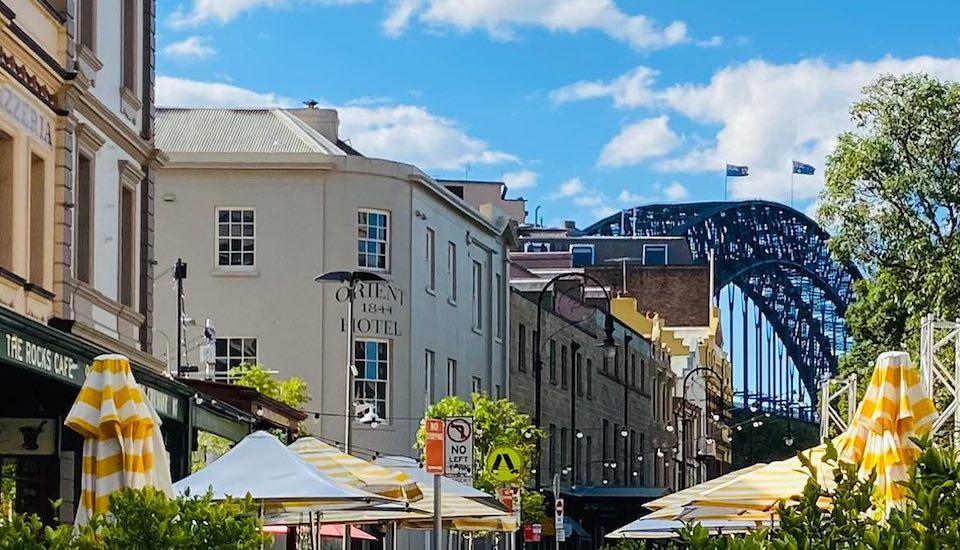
735 171
801 168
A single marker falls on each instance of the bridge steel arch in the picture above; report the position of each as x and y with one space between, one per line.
779 259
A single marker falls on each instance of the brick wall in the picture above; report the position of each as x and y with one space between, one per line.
680 294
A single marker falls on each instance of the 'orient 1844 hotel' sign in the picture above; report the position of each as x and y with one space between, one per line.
375 306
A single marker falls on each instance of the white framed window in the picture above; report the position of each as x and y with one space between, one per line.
452 270
236 239
477 297
372 383
476 384
536 247
655 254
234 351
451 376
429 372
582 254
431 258
373 240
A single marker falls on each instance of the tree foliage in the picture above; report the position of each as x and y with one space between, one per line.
146 520
928 520
892 200
292 391
496 422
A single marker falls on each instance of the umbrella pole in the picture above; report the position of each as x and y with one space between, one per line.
394 544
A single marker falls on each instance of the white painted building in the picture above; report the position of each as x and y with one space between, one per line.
259 202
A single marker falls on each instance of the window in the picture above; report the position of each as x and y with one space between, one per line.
6 200
431 260
631 459
578 458
654 254
589 378
522 348
553 449
553 361
578 372
372 359
640 452
499 391
605 440
581 254
87 23
452 270
497 304
536 247
129 44
633 370
373 239
456 190
38 220
235 239
233 352
85 219
563 449
589 466
563 366
643 375
616 453
476 385
128 245
429 372
477 298
451 377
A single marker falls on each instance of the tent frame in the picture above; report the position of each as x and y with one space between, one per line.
831 392
937 335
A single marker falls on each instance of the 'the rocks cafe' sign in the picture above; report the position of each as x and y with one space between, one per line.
374 305
37 356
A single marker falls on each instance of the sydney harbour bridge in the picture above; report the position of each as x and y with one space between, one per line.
784 290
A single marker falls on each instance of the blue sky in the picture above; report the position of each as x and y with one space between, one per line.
584 106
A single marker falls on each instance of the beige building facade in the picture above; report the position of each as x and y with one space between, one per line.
260 202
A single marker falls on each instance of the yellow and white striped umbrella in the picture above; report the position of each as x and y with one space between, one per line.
123 446
684 496
357 472
894 409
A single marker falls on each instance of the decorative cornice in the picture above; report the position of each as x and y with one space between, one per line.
115 128
9 63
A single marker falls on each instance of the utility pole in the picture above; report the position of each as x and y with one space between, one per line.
180 273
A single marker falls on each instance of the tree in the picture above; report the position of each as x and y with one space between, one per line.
496 423
292 391
892 200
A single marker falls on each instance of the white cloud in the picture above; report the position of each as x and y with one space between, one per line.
638 142
569 188
224 11
406 133
190 48
629 197
712 42
180 92
501 18
755 113
522 179
633 89
675 191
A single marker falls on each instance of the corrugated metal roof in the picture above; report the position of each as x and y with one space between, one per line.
235 131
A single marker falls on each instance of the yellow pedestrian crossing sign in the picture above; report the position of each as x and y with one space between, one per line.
504 464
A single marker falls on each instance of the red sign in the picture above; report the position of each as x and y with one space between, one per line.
507 497
531 532
433 445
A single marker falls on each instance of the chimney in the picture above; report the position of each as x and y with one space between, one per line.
569 224
324 121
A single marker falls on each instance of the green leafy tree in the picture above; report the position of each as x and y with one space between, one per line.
892 200
496 422
292 391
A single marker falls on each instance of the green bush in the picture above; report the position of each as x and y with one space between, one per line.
928 520
146 520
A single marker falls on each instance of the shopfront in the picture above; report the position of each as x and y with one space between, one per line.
42 369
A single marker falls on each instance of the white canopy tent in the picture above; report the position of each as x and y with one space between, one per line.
650 528
274 476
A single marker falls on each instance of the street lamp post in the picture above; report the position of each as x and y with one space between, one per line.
351 279
627 338
608 344
683 417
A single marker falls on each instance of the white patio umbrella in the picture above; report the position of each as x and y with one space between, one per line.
275 477
651 528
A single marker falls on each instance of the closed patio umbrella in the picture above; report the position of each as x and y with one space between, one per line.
123 446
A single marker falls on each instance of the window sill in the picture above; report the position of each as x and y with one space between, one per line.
239 273
130 104
452 302
477 331
89 64
431 291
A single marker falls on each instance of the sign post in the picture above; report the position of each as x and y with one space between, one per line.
433 449
458 444
558 521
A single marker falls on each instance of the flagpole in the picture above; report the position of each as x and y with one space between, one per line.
792 176
725 179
